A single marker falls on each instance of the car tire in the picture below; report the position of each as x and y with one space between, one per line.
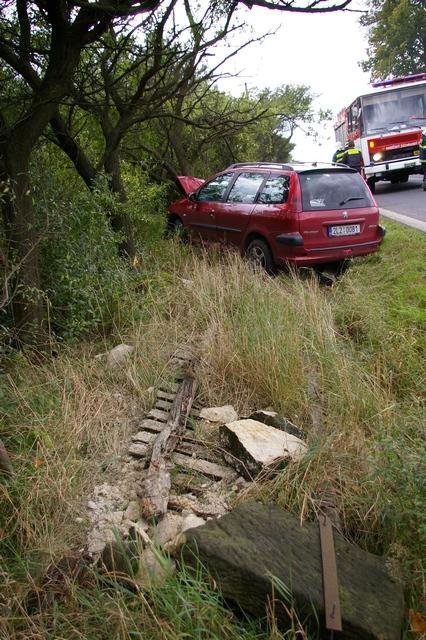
372 185
178 230
260 255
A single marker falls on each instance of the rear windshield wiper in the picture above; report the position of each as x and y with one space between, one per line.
351 198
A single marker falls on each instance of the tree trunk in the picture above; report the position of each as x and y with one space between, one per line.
120 221
66 142
23 247
176 137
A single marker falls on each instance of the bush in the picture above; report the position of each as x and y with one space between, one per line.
87 284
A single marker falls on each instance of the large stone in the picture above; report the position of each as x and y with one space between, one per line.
245 548
220 415
251 446
272 419
168 528
118 355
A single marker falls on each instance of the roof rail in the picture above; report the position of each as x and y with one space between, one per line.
290 166
278 165
314 163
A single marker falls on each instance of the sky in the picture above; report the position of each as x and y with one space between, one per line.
321 51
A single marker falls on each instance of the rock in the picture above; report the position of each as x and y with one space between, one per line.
272 419
245 548
221 415
191 521
251 446
119 557
153 569
98 539
132 511
168 528
118 355
113 518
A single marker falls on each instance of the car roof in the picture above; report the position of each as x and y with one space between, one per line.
293 165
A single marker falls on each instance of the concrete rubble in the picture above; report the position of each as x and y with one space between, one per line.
118 355
251 446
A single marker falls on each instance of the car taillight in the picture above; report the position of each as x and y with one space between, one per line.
296 200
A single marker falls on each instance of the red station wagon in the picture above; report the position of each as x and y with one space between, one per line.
275 214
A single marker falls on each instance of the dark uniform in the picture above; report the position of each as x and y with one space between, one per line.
352 157
422 156
338 154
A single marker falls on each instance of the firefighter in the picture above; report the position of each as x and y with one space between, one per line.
352 157
338 154
422 156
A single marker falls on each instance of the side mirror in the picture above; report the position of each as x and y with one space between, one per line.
193 196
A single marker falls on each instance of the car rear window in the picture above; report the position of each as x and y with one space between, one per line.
334 190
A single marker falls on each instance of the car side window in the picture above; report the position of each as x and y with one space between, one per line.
245 188
275 190
213 191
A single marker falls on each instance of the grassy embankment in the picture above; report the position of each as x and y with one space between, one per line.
356 350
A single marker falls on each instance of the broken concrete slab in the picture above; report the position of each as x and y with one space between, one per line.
244 549
272 419
221 415
250 446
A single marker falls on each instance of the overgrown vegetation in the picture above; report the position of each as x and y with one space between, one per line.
96 123
355 351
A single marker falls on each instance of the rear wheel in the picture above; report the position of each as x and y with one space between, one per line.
372 185
260 255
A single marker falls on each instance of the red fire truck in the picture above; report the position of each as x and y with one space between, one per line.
386 125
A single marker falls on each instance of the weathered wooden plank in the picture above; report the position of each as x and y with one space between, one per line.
156 495
144 436
164 405
204 466
156 490
157 414
190 448
138 449
191 482
151 425
164 395
204 510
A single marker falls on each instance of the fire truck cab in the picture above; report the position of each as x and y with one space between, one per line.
386 125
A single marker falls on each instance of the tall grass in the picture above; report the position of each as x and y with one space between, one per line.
343 363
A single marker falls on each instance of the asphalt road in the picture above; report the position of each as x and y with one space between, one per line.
405 203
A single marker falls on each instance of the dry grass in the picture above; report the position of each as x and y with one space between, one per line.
333 361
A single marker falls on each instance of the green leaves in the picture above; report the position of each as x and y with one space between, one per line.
396 38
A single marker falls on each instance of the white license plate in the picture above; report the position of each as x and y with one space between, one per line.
344 230
410 164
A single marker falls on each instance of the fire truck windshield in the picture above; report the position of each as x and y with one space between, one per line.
400 108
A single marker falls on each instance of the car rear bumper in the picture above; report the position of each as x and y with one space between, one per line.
296 253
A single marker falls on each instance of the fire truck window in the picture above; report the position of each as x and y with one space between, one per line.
394 111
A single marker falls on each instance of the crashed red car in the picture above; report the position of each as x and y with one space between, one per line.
276 214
